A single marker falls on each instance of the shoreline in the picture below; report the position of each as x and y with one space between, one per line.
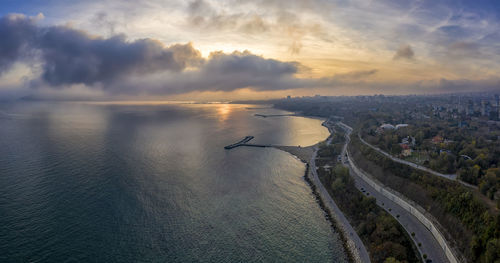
305 154
350 252
329 217
321 202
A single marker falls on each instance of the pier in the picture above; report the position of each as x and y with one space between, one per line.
244 142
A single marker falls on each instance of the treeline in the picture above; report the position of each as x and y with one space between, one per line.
382 235
473 229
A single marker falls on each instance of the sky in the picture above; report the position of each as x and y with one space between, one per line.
239 49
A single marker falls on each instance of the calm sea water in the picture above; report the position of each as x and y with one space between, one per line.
152 183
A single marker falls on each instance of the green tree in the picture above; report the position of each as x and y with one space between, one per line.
391 260
492 254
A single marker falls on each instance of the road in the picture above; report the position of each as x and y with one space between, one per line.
410 223
362 254
414 165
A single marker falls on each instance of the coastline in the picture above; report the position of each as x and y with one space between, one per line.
354 249
351 252
328 215
332 212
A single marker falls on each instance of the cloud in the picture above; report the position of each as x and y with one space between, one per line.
222 72
201 14
238 70
66 59
16 34
69 57
356 75
452 31
463 49
276 22
404 52
255 25
102 20
445 85
73 57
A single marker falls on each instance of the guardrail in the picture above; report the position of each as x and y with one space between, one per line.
413 209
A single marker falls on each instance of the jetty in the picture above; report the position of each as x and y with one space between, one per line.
244 142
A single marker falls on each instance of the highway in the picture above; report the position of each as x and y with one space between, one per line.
429 245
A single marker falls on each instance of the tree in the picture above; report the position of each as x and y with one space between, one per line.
391 260
493 251
489 183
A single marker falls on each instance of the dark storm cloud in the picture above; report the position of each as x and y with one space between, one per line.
224 72
70 56
244 62
243 69
16 34
404 52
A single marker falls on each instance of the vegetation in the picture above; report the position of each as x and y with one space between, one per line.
467 143
470 144
475 231
383 236
468 151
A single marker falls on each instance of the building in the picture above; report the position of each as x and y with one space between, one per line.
485 108
406 150
470 108
437 139
497 99
387 126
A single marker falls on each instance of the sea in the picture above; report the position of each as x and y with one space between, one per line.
152 182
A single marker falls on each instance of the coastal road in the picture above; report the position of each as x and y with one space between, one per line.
337 213
410 223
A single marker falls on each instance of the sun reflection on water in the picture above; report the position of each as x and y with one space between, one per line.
223 111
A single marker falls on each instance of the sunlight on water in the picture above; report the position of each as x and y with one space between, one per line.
113 182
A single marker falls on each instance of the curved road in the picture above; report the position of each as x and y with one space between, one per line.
416 166
410 223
